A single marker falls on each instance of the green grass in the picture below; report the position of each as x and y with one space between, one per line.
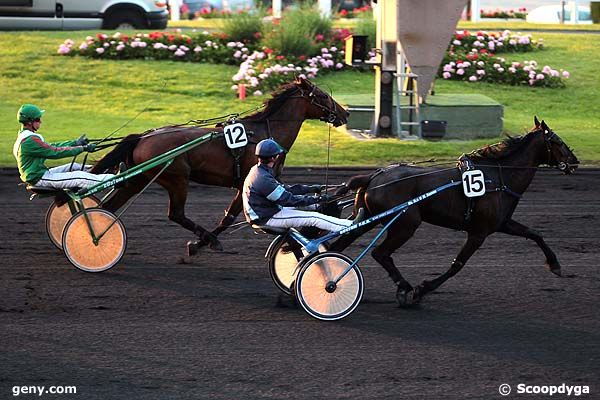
96 97
516 25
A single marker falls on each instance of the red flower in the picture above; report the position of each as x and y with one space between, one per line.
171 38
125 38
189 40
319 37
302 58
268 50
257 35
280 57
344 13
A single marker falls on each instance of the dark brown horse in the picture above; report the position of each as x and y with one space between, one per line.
212 163
508 167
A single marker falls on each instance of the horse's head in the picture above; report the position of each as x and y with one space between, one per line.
558 153
321 105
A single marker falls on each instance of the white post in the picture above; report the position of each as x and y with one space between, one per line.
276 8
575 12
175 8
325 7
475 11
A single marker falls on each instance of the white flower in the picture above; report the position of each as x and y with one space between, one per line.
324 50
120 47
540 77
512 42
460 71
106 44
179 53
258 93
500 69
480 72
184 48
232 44
496 65
171 47
333 49
512 70
142 44
480 63
234 87
63 49
472 78
237 54
83 46
456 42
566 74
99 50
197 49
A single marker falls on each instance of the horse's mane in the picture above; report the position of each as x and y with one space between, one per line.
503 149
274 103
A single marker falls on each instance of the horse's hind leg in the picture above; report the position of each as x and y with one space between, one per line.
474 242
230 214
514 228
398 234
178 189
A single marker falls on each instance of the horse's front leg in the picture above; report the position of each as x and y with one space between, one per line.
230 214
177 189
514 228
474 242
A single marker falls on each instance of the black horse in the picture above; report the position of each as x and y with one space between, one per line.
509 168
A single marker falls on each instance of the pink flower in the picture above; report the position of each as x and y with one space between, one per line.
472 78
446 75
566 74
83 46
99 50
540 77
64 49
339 66
460 71
179 53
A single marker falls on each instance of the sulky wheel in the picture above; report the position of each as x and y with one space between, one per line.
317 292
57 218
283 262
79 245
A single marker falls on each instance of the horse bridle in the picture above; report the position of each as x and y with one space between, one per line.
331 115
549 135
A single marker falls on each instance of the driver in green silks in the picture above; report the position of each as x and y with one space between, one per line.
31 151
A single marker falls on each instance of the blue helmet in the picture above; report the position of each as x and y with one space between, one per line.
268 148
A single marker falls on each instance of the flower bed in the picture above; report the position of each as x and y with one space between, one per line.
494 42
470 56
521 13
203 47
361 12
485 67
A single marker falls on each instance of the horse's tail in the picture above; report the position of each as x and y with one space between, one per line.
122 152
354 183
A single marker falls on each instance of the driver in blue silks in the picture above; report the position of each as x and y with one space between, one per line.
272 204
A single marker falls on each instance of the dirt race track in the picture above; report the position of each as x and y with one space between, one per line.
162 326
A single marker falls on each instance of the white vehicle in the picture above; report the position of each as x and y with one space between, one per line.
83 14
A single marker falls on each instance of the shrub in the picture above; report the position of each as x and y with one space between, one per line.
245 27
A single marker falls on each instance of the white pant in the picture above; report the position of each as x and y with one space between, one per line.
66 176
290 217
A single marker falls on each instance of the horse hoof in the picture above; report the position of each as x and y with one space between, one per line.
215 245
555 269
404 298
415 296
192 248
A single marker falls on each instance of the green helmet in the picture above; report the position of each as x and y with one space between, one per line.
29 113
